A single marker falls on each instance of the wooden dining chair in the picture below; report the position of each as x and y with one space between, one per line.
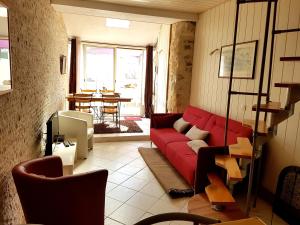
83 102
91 91
111 107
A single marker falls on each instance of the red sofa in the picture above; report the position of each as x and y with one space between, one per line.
174 146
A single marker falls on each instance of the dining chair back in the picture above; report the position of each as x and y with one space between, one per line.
83 102
111 106
88 91
47 197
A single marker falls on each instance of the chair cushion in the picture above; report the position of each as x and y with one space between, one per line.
161 137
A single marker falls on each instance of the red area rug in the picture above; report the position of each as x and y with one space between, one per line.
134 118
126 126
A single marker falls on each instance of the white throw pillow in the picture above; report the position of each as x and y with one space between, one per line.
196 134
180 125
196 145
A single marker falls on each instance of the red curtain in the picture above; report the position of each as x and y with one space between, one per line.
73 71
149 82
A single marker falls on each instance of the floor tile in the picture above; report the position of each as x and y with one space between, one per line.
142 201
135 183
153 189
121 193
117 178
110 186
127 214
111 205
109 221
162 206
129 170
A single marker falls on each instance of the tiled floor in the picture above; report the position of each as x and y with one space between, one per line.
132 191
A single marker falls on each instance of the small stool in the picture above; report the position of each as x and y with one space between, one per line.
200 205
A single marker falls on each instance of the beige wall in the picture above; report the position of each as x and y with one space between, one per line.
215 29
38 37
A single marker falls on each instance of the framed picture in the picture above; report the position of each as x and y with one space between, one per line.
244 63
63 64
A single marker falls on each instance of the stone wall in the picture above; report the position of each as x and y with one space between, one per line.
180 65
38 38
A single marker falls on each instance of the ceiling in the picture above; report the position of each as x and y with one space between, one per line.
192 6
93 29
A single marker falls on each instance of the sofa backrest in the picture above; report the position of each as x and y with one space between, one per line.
196 116
216 128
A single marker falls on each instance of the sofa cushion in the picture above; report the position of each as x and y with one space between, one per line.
183 158
195 145
196 116
216 127
161 137
196 134
180 125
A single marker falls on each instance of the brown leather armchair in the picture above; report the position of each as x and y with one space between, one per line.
49 198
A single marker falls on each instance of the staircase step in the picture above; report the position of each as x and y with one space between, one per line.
231 165
290 59
217 192
287 85
262 126
273 107
243 149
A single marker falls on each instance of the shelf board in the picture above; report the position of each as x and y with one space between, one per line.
273 107
217 192
231 165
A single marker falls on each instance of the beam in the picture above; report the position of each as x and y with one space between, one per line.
105 6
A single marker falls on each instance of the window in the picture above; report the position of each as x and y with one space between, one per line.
115 68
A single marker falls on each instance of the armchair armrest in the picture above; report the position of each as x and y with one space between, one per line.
206 164
79 115
164 120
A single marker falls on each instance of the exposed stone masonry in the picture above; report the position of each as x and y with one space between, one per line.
180 65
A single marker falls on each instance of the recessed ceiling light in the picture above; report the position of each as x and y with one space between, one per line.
3 12
117 23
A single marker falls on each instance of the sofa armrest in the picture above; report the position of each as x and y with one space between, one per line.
164 120
206 164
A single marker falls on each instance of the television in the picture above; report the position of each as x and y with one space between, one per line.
52 133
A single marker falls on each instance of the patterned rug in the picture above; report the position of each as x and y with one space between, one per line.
126 126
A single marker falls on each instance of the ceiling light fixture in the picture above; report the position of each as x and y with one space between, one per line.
117 23
3 12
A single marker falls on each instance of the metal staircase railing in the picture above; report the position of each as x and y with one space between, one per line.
278 114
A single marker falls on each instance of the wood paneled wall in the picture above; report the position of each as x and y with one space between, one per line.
214 29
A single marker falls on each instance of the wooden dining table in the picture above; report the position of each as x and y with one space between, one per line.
98 98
